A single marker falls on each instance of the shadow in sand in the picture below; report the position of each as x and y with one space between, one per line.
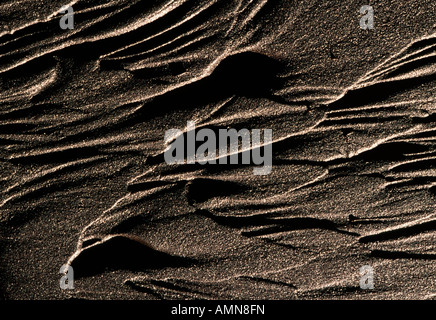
121 252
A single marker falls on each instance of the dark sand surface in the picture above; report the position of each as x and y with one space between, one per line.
83 180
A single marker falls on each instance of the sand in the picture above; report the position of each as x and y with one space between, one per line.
84 182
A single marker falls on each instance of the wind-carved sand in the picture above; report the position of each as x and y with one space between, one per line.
392 162
84 181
